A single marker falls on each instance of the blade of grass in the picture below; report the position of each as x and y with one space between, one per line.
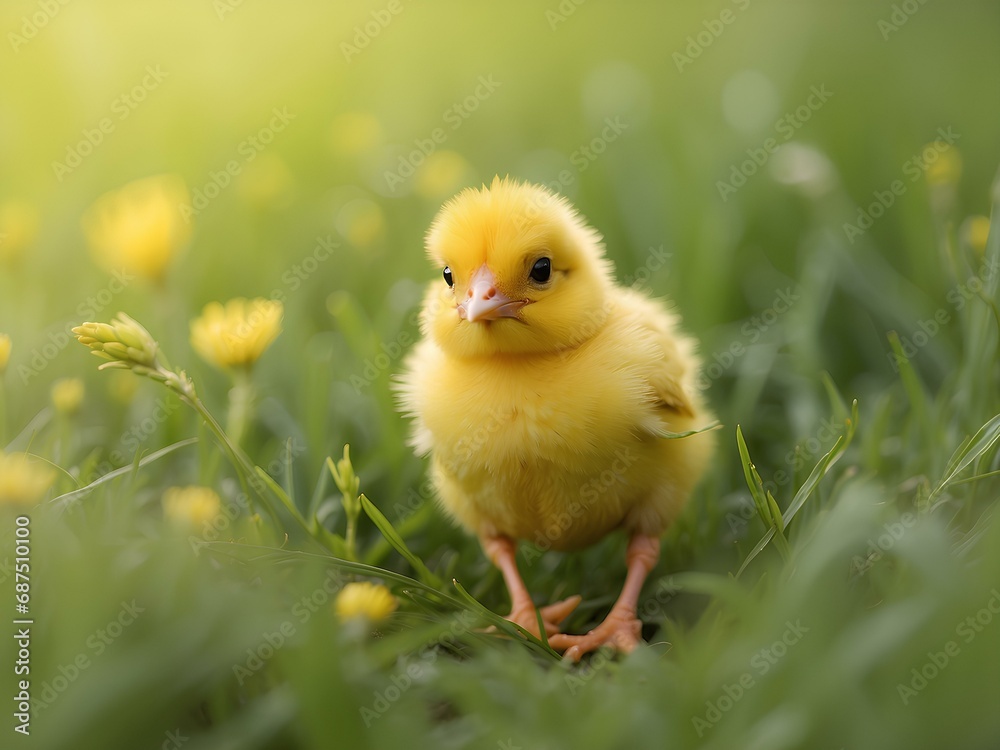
64 499
967 452
668 435
232 549
756 550
824 465
390 534
506 626
915 393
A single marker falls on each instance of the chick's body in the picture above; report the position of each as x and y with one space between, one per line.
549 398
562 448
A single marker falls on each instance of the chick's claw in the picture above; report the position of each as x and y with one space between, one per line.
552 616
621 632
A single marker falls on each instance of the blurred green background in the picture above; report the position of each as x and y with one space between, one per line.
696 91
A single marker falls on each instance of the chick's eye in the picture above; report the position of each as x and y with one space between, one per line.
541 271
447 276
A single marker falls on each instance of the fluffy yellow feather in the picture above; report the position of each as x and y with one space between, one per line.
548 397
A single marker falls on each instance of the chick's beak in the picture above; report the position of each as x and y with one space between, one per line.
484 301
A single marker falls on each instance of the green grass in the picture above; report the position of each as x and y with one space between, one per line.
829 554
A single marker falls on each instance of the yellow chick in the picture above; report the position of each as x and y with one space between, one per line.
549 398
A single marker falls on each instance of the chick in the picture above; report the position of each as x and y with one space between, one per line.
550 399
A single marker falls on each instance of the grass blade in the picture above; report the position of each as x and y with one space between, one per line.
65 499
823 466
969 450
504 625
389 532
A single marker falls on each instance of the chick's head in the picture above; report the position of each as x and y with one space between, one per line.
522 273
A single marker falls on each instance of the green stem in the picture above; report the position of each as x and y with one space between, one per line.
350 538
245 467
241 397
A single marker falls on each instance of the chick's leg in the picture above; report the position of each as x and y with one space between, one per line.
621 629
502 552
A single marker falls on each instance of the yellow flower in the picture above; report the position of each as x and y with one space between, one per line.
67 395
23 482
191 506
354 133
364 600
5 345
361 222
442 174
944 163
123 342
139 227
18 229
976 231
235 335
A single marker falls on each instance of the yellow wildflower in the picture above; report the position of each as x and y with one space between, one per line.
67 395
5 345
944 163
235 335
192 506
443 172
361 222
23 482
139 227
976 231
18 229
366 600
